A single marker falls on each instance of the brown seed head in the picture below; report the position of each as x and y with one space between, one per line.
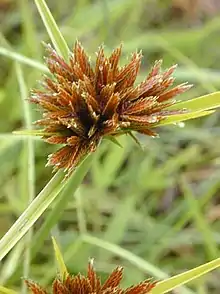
82 104
91 284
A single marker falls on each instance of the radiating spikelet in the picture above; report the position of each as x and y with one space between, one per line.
81 105
91 284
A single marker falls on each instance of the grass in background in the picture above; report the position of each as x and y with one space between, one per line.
148 212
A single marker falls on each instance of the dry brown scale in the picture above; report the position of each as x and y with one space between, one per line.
91 284
82 104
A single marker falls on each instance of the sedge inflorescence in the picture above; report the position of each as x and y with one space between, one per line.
82 104
91 284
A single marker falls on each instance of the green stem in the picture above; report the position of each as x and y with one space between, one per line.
52 29
32 213
29 168
23 59
55 214
40 204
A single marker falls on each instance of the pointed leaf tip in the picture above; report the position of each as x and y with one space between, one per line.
61 264
206 102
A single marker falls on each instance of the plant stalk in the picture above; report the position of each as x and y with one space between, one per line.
37 207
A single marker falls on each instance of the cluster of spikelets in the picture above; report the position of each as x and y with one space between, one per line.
81 103
91 284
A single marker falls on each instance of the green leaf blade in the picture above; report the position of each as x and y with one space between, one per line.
61 264
206 102
52 29
177 118
181 279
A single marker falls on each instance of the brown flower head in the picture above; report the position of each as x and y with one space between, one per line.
92 284
82 104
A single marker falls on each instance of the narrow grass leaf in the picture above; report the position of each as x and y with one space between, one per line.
55 214
207 102
11 264
23 59
132 258
28 168
181 279
40 204
61 264
69 255
174 119
52 29
32 213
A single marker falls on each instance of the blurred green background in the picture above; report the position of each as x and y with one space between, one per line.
156 211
